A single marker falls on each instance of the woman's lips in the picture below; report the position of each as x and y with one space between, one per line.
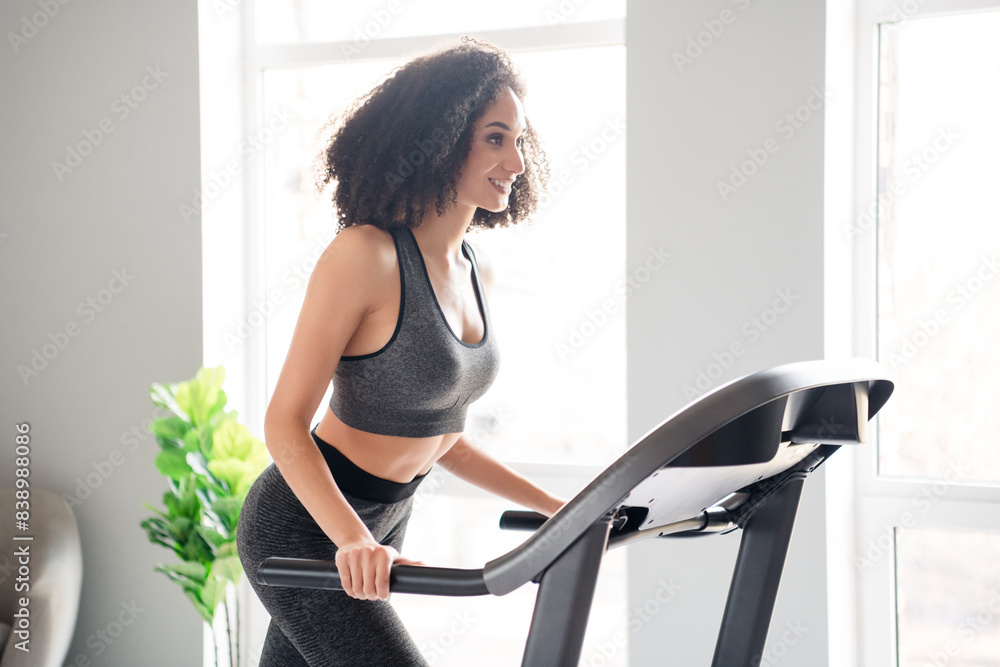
501 185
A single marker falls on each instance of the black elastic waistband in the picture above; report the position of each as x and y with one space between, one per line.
360 483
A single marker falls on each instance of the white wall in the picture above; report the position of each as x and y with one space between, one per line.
116 211
689 123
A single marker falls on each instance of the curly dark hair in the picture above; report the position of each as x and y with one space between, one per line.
401 146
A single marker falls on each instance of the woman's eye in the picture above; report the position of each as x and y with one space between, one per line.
498 140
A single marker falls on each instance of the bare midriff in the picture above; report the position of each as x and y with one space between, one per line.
395 458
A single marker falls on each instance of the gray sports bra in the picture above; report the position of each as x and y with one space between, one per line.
422 381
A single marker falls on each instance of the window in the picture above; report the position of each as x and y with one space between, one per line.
939 233
928 549
557 410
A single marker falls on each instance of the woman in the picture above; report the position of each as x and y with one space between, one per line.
396 314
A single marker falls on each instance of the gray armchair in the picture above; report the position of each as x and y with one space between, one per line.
55 575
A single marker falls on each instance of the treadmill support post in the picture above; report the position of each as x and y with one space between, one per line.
562 606
756 577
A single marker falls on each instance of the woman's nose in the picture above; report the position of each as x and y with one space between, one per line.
515 162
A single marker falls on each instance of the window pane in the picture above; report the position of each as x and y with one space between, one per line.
358 22
558 303
938 236
947 598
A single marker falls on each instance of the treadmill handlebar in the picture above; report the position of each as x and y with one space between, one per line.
522 520
528 520
305 573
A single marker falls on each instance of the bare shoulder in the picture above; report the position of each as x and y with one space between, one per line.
366 250
485 263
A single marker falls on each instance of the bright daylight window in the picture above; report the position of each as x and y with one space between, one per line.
938 318
558 403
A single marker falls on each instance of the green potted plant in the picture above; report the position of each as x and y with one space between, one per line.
210 461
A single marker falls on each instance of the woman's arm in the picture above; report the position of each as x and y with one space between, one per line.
468 462
342 286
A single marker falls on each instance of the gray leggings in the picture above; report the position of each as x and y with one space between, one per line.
320 628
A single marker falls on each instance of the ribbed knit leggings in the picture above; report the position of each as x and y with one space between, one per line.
321 628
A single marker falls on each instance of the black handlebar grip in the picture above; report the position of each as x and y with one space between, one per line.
522 520
305 573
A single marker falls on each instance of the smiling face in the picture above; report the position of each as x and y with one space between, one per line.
495 159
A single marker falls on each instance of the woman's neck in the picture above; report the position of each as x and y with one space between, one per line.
440 236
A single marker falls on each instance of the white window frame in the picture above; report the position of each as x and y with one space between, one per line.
884 503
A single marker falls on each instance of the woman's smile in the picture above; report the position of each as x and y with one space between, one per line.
503 185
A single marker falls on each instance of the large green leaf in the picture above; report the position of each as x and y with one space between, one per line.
206 613
156 531
230 471
162 396
206 434
170 429
228 511
234 442
227 568
213 593
200 397
187 497
180 529
192 440
191 571
172 463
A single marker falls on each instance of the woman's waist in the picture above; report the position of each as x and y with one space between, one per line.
376 460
